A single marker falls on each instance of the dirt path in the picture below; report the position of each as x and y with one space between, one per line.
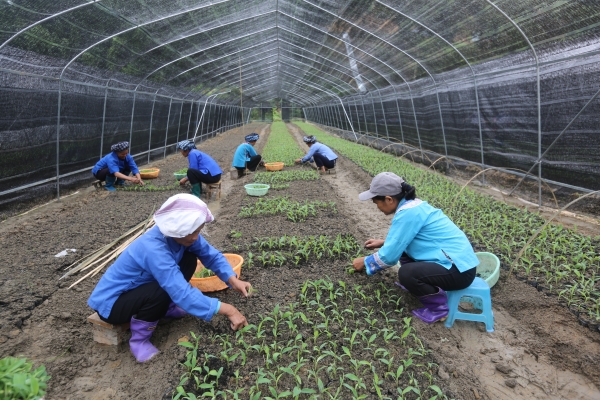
538 346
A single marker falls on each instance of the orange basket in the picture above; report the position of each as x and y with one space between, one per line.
149 173
274 166
213 283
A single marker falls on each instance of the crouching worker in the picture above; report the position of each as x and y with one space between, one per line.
435 254
115 167
150 279
322 155
245 156
202 168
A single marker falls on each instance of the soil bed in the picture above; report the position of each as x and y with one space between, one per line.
537 343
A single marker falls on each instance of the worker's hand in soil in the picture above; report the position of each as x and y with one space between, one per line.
298 161
235 317
374 243
358 264
239 285
183 181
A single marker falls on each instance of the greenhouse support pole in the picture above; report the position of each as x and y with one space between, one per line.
322 118
339 118
151 120
348 118
187 134
103 118
179 123
131 123
167 130
357 116
58 140
347 122
220 124
399 115
374 115
248 118
362 104
203 110
387 133
415 115
334 117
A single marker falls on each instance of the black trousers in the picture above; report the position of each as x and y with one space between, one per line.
423 278
321 160
195 176
251 165
101 175
148 302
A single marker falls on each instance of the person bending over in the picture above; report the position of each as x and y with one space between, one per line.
150 279
322 155
245 157
202 168
115 167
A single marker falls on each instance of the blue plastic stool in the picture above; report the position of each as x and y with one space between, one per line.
477 294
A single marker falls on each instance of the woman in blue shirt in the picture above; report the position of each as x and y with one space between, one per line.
245 157
115 167
323 156
435 255
202 168
150 279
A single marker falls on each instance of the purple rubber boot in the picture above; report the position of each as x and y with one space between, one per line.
436 307
175 312
141 332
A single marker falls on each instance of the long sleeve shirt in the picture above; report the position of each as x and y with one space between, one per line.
203 163
425 233
115 164
242 155
154 258
319 148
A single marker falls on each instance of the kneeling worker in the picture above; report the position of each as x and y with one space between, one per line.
202 168
115 167
245 156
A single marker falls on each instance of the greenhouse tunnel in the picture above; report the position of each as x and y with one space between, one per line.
506 84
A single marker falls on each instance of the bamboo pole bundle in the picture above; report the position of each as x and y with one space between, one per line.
108 253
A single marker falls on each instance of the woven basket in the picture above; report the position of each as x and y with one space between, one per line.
149 173
257 189
213 283
274 166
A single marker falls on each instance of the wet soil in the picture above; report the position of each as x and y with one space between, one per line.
538 349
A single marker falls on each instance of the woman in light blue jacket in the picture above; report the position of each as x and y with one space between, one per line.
435 254
322 155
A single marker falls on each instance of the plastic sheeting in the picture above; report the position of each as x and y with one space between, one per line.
493 82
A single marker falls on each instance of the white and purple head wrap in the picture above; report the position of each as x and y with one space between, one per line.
253 137
119 147
309 139
186 145
181 215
